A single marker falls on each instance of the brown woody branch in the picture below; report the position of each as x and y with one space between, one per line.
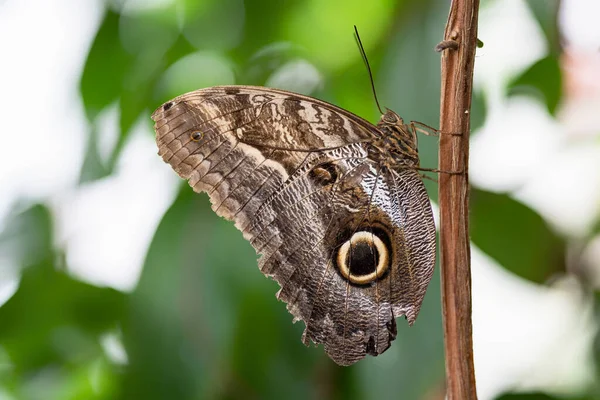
458 56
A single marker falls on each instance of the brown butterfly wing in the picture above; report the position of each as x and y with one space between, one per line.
354 320
240 155
294 174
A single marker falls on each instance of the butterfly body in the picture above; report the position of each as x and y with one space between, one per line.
333 204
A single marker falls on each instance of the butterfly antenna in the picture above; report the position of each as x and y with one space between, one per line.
364 57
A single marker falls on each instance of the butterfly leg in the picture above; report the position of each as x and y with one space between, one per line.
428 178
425 129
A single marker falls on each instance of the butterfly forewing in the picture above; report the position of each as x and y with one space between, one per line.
350 240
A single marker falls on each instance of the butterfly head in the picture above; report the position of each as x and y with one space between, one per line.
391 118
398 139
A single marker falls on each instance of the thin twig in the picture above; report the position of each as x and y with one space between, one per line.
458 55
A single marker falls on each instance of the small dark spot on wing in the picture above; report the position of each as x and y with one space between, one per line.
371 349
231 91
391 327
168 105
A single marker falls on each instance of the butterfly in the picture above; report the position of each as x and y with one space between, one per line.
334 205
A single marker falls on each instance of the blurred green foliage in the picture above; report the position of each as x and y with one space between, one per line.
544 78
500 223
203 322
51 327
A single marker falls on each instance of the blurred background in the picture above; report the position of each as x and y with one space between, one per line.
118 282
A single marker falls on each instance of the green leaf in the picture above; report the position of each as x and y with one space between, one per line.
478 110
93 167
105 67
148 35
27 235
372 22
142 92
126 60
214 24
150 31
182 77
91 380
546 14
264 23
160 358
543 79
53 318
267 60
515 236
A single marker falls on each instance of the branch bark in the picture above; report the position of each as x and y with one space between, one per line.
458 56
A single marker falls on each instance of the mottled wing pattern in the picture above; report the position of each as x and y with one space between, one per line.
355 320
293 173
415 229
239 155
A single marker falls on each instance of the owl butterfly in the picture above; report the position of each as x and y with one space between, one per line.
334 205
